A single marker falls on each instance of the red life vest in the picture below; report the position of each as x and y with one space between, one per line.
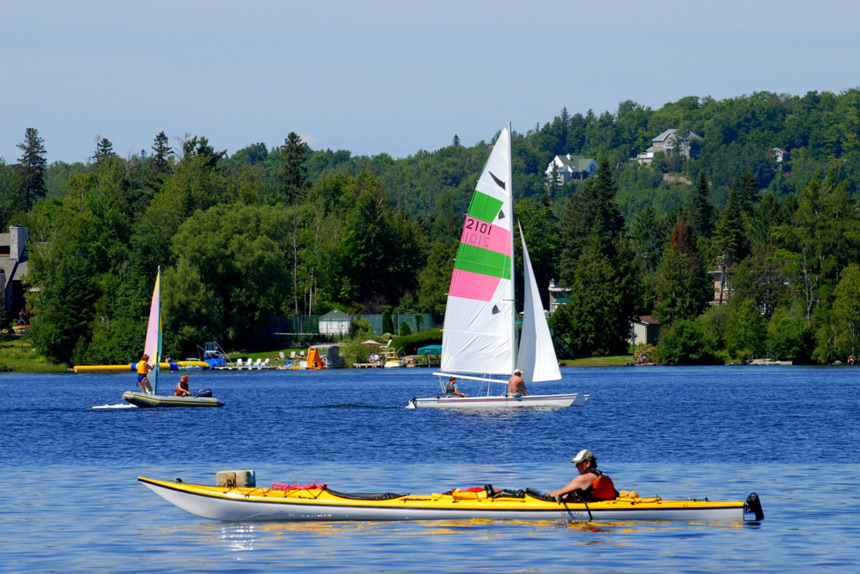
601 489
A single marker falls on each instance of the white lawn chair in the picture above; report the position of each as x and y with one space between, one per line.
239 364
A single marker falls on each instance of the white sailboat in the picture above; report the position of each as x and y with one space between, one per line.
479 334
152 347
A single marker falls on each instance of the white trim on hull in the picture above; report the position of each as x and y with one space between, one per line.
260 504
444 402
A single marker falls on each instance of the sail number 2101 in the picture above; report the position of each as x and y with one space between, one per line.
476 232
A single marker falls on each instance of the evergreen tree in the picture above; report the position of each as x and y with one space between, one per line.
163 152
682 287
198 150
747 190
701 210
647 237
591 213
387 321
104 150
32 168
602 300
730 239
293 180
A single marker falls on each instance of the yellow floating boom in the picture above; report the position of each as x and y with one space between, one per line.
132 366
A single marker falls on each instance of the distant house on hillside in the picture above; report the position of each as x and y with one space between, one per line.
568 167
13 268
669 142
779 155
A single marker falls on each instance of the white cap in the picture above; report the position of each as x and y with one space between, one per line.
582 455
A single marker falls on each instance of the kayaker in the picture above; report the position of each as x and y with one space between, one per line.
590 485
182 388
143 368
516 385
451 388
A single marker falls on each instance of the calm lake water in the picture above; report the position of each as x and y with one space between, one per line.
70 501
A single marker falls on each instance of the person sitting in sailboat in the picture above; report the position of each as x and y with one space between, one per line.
143 368
451 389
516 385
182 388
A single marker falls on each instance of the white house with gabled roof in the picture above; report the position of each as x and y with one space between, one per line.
568 167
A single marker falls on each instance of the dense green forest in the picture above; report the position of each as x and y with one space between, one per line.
264 233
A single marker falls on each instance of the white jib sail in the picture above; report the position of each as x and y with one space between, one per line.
537 357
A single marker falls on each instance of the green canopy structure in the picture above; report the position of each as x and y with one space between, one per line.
430 350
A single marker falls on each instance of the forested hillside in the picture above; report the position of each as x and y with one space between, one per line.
291 230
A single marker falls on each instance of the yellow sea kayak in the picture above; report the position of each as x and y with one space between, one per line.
318 502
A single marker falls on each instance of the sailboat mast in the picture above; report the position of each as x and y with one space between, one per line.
513 258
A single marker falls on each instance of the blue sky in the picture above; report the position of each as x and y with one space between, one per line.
389 76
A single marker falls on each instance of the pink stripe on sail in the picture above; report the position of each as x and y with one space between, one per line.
486 235
473 285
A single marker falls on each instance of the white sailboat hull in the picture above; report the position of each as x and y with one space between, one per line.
500 402
479 333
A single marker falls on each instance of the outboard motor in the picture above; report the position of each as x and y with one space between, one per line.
753 505
204 393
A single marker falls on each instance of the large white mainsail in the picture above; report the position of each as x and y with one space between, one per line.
478 335
536 358
152 347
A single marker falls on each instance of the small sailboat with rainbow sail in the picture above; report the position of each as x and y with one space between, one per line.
479 335
152 348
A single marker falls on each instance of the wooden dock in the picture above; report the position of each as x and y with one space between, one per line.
376 365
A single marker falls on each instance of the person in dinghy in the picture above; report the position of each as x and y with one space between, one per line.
182 388
590 486
143 368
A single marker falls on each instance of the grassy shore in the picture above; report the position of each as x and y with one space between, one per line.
18 354
614 361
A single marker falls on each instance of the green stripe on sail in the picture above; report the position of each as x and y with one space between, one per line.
484 207
483 261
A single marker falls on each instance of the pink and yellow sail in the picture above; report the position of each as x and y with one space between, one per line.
152 346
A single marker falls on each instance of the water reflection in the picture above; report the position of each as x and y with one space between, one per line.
239 538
